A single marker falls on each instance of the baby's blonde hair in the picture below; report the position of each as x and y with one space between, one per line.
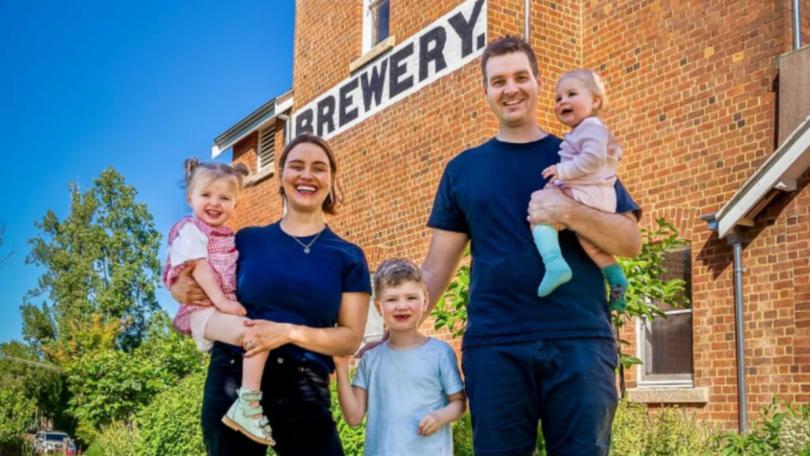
204 173
591 80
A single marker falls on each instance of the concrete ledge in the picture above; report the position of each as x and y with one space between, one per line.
669 395
381 48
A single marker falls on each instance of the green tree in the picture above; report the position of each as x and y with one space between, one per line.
111 385
100 263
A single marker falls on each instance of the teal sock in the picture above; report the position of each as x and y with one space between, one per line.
557 270
617 282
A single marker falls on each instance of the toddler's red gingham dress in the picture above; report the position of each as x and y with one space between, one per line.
222 256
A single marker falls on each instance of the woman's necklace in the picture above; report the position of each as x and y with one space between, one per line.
307 246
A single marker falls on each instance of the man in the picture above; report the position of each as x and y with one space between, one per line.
527 358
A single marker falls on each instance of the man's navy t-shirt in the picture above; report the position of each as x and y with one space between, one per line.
485 193
276 280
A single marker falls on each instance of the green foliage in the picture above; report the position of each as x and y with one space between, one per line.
100 262
117 439
16 415
783 430
352 438
647 289
170 424
665 431
462 436
451 309
113 385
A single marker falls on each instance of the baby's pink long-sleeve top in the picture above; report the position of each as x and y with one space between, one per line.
589 155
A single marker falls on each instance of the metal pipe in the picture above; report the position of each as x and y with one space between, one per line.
797 25
742 395
526 20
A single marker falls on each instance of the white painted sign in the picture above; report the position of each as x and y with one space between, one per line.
439 49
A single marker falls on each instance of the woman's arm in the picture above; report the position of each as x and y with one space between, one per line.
341 340
352 400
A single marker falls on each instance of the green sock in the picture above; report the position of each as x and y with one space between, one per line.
557 270
617 282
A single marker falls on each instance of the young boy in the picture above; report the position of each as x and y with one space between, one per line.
410 384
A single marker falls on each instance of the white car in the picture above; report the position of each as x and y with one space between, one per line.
50 441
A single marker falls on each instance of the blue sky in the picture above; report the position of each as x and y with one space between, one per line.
137 85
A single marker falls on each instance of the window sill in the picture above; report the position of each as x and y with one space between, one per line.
380 48
677 395
258 176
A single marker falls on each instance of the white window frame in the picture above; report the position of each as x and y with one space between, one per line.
677 380
375 328
661 380
369 25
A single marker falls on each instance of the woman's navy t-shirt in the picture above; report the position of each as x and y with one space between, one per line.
276 280
485 193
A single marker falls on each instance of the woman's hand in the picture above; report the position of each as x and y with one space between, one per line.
265 335
186 290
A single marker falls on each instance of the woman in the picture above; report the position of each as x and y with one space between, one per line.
307 291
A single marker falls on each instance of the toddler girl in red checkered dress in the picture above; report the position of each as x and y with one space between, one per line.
204 243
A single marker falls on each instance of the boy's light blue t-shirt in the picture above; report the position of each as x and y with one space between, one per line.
403 386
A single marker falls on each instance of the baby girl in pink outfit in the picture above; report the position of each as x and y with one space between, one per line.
589 156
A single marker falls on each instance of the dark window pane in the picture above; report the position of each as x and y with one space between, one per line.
668 345
380 14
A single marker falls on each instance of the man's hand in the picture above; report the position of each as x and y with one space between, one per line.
550 206
186 290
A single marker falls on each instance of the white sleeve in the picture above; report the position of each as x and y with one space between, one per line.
190 244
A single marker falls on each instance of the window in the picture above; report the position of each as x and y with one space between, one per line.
375 23
267 147
665 344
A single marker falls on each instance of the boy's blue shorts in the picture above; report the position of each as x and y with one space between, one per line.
567 384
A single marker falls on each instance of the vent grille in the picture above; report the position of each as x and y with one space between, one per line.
267 147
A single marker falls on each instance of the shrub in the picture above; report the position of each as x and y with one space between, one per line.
117 439
783 430
170 424
665 431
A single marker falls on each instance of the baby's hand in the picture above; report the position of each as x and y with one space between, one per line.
429 425
232 307
550 173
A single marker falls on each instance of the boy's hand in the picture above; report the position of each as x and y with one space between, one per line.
429 425
232 307
550 173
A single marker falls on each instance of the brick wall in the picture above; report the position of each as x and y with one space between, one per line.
691 86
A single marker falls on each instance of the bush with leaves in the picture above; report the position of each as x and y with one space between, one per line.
664 431
783 430
113 385
16 415
116 439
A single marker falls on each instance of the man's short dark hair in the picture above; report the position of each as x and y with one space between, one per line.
507 45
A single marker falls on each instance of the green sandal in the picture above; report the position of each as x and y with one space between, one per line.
247 419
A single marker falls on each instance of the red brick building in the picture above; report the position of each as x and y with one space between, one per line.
698 101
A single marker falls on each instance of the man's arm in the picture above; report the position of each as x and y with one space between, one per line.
442 261
616 234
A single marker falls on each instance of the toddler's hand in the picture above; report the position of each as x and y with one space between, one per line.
232 307
429 425
550 173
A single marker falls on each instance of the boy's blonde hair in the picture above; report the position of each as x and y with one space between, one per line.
593 82
203 173
395 271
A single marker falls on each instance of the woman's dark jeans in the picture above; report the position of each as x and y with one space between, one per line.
296 401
